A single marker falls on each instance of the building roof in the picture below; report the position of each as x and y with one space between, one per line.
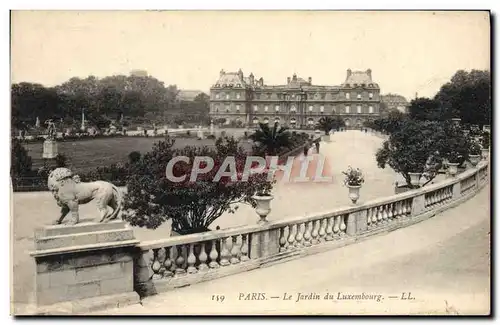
393 98
230 78
358 77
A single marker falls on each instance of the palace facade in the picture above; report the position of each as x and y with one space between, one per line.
238 100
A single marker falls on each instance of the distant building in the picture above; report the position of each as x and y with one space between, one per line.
139 73
298 103
188 95
394 102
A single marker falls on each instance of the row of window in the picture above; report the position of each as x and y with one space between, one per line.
268 96
294 109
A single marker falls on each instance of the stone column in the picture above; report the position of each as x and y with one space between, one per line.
265 243
418 205
85 267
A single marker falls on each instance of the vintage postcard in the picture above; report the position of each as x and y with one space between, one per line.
250 162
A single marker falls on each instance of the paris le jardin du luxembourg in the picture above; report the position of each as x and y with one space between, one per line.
219 170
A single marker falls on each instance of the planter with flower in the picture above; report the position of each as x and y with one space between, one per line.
263 200
453 162
353 180
474 153
485 143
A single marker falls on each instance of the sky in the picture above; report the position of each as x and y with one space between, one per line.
408 52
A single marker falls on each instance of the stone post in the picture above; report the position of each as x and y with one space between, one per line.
84 267
265 243
418 205
456 191
356 222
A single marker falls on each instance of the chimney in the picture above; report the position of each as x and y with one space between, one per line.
349 73
369 73
251 78
310 80
240 74
222 72
261 81
287 80
294 77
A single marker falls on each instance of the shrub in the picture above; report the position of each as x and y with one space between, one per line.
134 157
475 148
153 198
485 141
20 160
61 160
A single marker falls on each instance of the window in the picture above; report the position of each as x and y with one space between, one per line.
322 108
347 109
255 108
238 108
277 108
266 108
370 109
359 109
216 96
370 95
216 108
227 108
268 96
293 108
333 109
238 85
359 96
347 96
310 108
322 96
238 96
227 96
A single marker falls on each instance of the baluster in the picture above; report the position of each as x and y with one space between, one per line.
235 251
167 263
343 225
375 216
384 213
380 213
408 206
299 237
291 237
398 209
244 248
224 252
191 260
179 262
162 256
329 229
307 234
203 257
336 226
368 217
322 230
283 239
315 232
390 206
427 200
156 265
214 255
173 257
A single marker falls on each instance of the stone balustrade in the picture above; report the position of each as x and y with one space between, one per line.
178 261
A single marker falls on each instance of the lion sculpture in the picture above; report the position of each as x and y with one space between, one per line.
70 192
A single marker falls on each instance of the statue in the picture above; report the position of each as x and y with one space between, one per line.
69 192
51 130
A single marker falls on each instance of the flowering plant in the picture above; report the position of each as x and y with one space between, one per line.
353 177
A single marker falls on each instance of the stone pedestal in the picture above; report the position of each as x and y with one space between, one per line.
85 267
49 149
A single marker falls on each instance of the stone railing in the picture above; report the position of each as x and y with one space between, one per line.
179 261
92 266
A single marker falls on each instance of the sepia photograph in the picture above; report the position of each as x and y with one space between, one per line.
250 162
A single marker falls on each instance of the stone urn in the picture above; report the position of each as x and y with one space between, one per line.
415 178
485 153
452 168
354 192
263 207
474 159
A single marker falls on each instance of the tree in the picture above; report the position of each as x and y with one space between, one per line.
409 148
192 206
454 145
425 109
468 96
325 124
271 140
19 159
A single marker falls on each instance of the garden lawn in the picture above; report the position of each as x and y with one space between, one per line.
85 155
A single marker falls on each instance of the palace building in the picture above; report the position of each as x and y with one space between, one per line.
238 100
